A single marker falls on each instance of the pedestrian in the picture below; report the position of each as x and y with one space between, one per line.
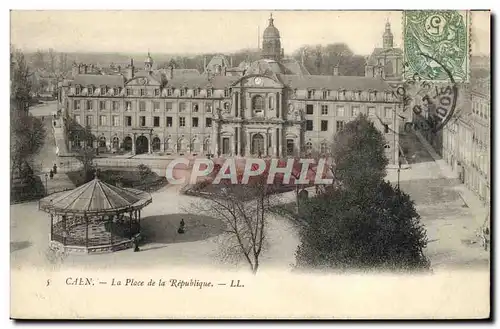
136 244
51 174
54 168
181 227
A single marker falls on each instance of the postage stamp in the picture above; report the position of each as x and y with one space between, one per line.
435 41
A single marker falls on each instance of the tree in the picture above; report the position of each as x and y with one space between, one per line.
27 132
86 156
39 59
244 210
358 154
377 231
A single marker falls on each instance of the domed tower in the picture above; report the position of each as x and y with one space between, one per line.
388 38
271 43
148 63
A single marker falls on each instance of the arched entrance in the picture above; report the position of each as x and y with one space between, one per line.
141 145
156 144
258 144
127 143
116 143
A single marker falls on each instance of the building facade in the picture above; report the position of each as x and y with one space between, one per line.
466 141
270 107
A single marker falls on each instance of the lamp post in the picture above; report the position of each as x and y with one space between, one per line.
399 170
46 182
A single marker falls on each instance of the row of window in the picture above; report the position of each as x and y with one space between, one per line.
115 120
128 105
354 111
142 91
348 95
339 125
481 109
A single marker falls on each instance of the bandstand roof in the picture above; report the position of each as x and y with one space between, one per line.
96 197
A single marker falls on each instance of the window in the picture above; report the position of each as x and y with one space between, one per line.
324 109
76 105
209 92
129 92
340 111
208 122
271 103
325 94
182 107
310 94
388 112
182 121
103 120
156 121
143 92
128 121
157 92
169 92
104 90
77 119
90 90
102 141
115 105
118 91
227 92
195 122
324 125
340 125
195 107
102 105
156 106
309 125
169 121
196 92
324 148
226 106
168 106
142 121
183 92
116 120
142 106
128 106
355 111
258 105
78 90
309 109
89 105
371 111
208 108
309 147
89 120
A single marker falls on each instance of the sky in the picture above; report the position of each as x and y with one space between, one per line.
210 31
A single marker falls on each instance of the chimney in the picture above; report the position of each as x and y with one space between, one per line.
170 72
231 61
336 70
204 63
130 70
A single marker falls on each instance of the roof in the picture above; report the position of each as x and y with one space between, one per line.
202 81
381 52
186 72
262 66
98 79
158 76
295 67
95 196
334 82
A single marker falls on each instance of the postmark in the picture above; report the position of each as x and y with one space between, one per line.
425 106
443 38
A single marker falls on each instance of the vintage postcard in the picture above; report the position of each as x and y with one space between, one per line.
250 164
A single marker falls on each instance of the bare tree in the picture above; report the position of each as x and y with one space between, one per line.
244 210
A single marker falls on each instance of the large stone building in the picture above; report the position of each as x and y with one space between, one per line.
466 140
270 107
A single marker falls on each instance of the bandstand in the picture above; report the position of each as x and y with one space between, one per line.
95 217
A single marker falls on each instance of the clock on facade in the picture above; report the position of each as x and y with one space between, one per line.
258 81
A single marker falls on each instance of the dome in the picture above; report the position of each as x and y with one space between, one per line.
271 31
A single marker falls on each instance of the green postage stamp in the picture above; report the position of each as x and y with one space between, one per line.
436 44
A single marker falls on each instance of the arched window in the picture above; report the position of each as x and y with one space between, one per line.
116 143
324 148
127 143
258 105
309 147
181 145
195 145
102 141
156 144
76 141
271 102
168 144
206 145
